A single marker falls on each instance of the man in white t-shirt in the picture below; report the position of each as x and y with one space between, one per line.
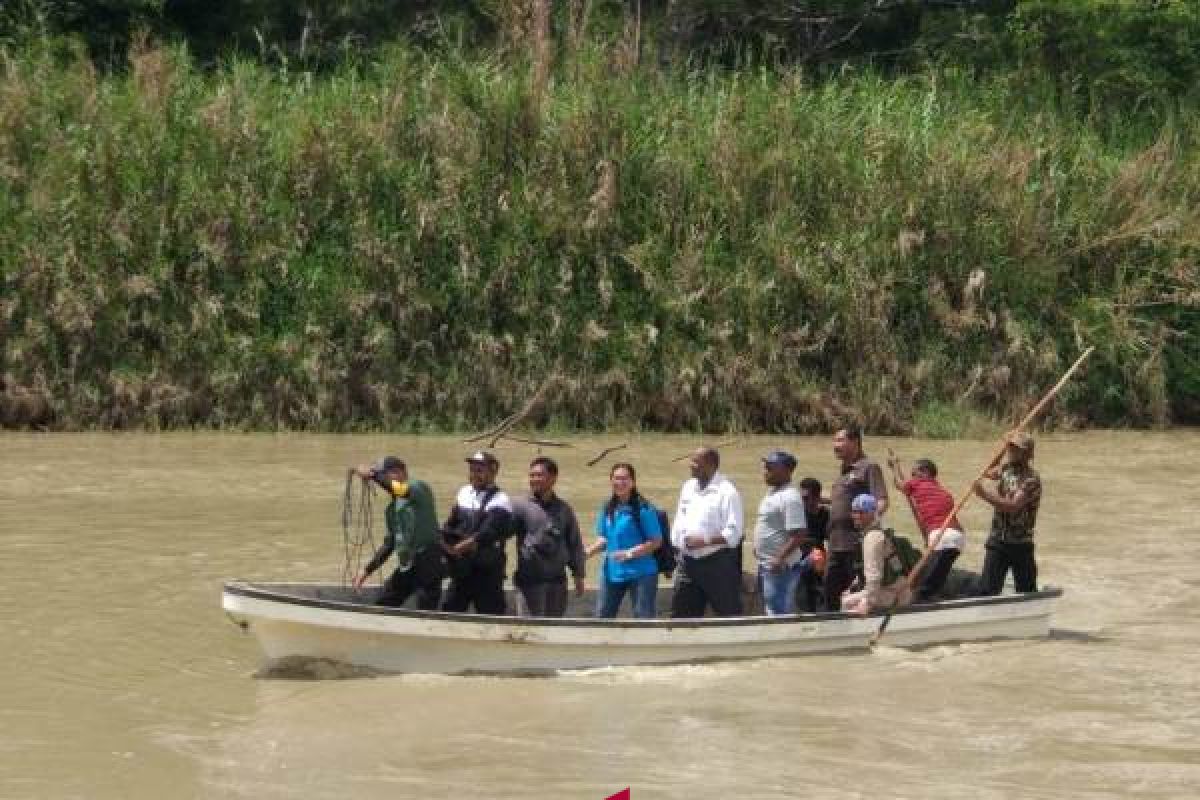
706 532
780 534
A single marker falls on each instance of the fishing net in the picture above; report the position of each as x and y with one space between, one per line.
358 536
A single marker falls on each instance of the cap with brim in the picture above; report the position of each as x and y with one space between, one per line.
780 457
389 462
1021 441
865 503
482 457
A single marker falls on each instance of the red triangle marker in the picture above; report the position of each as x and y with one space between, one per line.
621 795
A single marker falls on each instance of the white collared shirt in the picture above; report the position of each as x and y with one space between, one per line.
717 508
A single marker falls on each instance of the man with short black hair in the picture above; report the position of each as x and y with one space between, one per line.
412 534
474 537
812 567
932 506
707 531
543 554
859 475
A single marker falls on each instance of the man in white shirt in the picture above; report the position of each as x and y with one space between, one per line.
706 532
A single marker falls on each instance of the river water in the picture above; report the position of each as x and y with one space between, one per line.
121 676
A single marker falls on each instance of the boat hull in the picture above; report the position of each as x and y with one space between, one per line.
328 623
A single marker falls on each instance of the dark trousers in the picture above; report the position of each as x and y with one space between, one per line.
424 577
547 599
841 568
809 593
999 557
937 569
477 581
714 580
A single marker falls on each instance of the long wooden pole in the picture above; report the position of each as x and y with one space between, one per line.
1003 444
996 456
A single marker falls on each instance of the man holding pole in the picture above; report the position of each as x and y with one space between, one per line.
1016 499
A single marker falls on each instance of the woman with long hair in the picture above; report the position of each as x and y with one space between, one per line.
628 542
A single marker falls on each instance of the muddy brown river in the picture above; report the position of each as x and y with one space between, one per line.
121 677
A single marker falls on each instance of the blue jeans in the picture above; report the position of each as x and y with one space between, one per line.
779 589
608 602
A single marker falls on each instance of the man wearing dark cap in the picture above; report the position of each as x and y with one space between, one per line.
1016 499
859 475
475 532
780 534
412 534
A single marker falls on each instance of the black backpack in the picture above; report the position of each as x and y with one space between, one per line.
900 562
664 556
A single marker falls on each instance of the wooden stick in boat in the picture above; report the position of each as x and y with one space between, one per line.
538 442
605 452
996 456
498 431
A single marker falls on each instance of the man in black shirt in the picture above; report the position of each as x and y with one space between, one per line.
816 513
474 537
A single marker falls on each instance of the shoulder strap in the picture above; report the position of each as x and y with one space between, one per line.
636 513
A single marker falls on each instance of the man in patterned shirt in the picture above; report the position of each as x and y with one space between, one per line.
1015 499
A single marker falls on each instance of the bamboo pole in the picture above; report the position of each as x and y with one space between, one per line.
969 491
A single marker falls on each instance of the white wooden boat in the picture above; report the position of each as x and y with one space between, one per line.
327 623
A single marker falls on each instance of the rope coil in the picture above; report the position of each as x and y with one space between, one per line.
358 534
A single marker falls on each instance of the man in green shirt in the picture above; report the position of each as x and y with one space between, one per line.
412 534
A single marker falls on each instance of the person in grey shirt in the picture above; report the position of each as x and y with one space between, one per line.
780 534
548 543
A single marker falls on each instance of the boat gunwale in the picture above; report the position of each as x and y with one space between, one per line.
261 592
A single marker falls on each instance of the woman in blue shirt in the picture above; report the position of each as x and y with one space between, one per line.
629 564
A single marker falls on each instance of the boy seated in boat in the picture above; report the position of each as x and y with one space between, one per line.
885 586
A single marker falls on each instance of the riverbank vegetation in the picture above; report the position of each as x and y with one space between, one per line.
674 225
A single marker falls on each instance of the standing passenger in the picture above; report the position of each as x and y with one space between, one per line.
412 534
859 475
1016 500
707 532
780 534
628 533
541 575
541 556
812 569
475 533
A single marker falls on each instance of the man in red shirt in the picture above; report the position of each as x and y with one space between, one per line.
932 504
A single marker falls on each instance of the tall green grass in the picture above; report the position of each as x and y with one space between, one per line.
424 240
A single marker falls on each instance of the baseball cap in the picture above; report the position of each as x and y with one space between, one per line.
389 462
780 457
865 503
482 457
1021 441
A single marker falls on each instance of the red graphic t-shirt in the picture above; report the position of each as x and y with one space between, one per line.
932 501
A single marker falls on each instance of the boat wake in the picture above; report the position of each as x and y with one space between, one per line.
304 668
